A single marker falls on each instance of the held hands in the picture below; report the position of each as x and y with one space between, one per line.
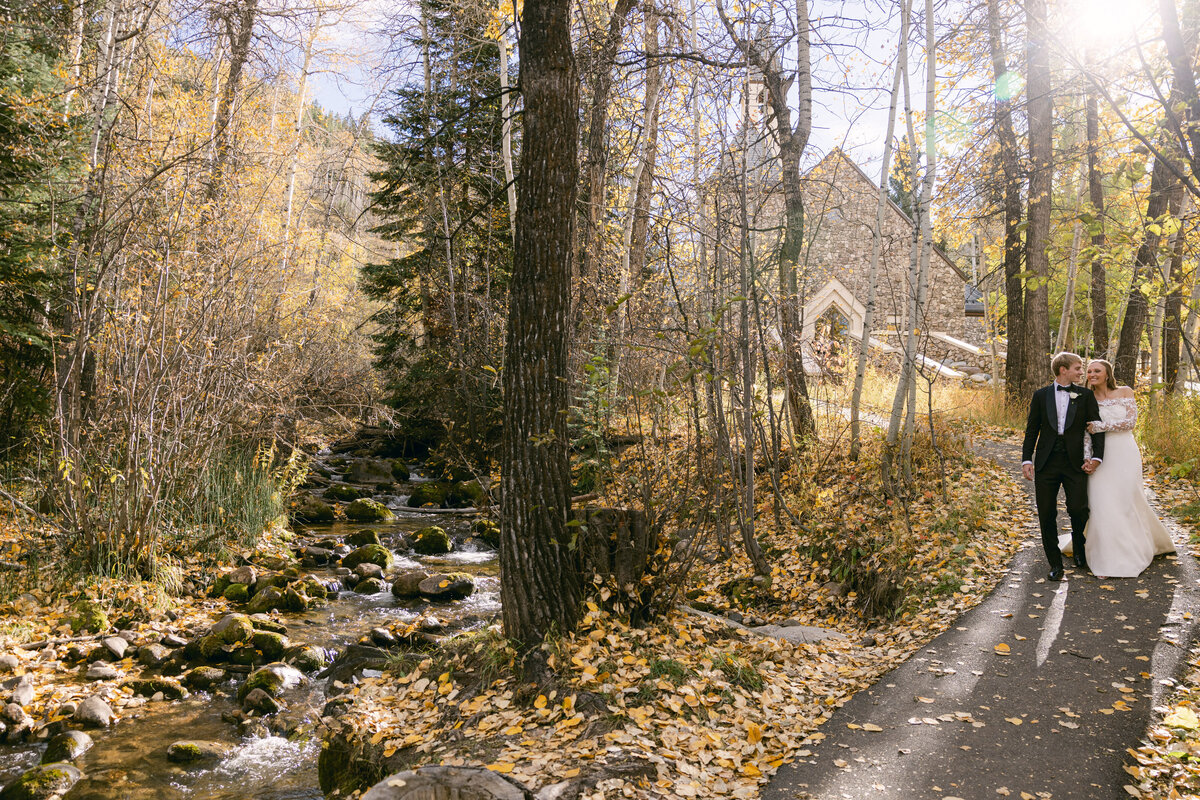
1091 427
1090 466
1027 471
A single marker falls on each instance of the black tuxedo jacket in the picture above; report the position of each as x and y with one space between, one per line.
1042 426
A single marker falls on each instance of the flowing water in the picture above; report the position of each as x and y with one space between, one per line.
129 760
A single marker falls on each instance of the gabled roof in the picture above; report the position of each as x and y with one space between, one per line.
837 152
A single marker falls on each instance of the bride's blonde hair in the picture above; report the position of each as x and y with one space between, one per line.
1110 382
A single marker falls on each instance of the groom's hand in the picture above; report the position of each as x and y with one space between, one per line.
1027 471
1090 466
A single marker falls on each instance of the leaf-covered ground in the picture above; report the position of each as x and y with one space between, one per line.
690 707
1167 762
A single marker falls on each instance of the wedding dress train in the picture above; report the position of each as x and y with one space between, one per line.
1123 532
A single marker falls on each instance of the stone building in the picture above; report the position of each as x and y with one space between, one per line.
840 209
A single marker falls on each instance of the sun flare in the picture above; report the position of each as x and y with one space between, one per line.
1104 24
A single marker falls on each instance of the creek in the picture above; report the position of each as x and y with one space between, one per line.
278 761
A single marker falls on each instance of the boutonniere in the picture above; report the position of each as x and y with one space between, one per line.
1073 395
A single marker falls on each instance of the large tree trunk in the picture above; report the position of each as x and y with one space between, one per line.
539 574
1040 105
1099 293
1010 163
1137 307
239 21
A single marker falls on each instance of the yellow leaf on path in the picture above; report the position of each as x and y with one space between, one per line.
840 763
1182 717
388 753
924 699
540 702
377 738
499 767
754 733
751 771
1014 720
872 728
1002 649
1003 790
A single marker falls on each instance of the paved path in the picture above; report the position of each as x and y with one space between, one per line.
1086 661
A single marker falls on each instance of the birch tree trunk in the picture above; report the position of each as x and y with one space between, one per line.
539 574
506 134
1098 291
860 370
1173 303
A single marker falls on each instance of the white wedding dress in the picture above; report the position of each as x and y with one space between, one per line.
1123 532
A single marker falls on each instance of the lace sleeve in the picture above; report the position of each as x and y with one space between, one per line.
1126 423
1087 446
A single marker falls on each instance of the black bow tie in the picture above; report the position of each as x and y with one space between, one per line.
1062 388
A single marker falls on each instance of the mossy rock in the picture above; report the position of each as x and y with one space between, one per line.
237 593
428 494
42 782
262 622
295 600
271 645
487 531
365 510
232 629
370 586
220 585
313 589
89 616
204 677
368 554
66 746
408 584
272 679
362 537
431 541
148 687
344 493
265 600
466 493
400 471
312 510
306 658
244 655
194 752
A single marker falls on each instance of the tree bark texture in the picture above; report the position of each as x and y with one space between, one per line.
1173 305
1010 164
239 20
1137 307
1040 106
1098 291
539 573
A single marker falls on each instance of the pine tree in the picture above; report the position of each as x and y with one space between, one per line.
443 200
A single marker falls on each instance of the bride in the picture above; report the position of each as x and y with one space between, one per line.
1123 532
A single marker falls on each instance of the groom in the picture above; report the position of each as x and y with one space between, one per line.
1053 455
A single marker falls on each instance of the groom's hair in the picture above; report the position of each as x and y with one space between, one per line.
1063 361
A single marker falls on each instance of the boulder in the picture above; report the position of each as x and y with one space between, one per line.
262 622
196 751
67 746
362 537
270 644
370 586
305 658
368 554
344 493
408 584
171 640
449 586
13 713
236 593
273 679
266 600
428 494
231 629
316 556
204 677
101 671
89 616
464 783
258 700
400 471
370 471
431 541
22 691
368 570
9 663
42 782
310 509
169 688
245 574
365 510
466 493
488 531
93 713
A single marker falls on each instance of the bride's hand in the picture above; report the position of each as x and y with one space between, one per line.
1091 427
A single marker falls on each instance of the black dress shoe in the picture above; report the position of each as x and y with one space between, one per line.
1055 575
1080 562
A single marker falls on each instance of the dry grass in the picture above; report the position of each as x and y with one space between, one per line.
1169 431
